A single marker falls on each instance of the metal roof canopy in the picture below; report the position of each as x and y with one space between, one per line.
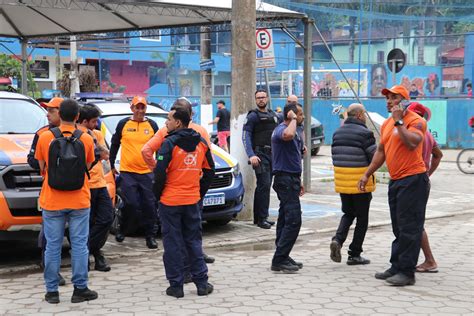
43 18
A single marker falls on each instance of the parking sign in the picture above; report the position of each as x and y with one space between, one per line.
265 57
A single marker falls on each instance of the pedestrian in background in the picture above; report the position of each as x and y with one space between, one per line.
353 146
102 210
66 205
256 136
223 125
287 151
136 178
401 146
183 174
52 108
432 157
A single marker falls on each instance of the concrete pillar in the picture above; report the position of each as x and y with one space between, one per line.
74 72
307 67
24 67
243 89
206 79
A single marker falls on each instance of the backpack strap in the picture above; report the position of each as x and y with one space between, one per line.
77 134
56 132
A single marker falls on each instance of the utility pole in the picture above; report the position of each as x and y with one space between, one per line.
206 79
308 65
57 62
74 72
243 88
24 65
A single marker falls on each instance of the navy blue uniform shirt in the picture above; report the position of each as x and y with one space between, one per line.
286 155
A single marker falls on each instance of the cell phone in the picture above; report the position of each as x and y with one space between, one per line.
405 104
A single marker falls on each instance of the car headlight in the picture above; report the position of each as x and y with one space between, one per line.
236 170
2 167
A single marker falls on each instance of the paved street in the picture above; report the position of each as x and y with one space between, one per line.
245 285
242 278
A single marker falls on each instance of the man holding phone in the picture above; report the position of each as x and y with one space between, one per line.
401 146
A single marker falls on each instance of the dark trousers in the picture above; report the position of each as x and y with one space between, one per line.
182 233
407 198
101 218
288 189
137 195
354 206
261 199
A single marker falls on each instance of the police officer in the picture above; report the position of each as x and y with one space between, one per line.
256 136
287 146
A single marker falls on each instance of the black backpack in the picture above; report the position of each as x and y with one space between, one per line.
67 161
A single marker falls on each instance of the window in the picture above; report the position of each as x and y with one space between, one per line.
20 117
380 57
151 35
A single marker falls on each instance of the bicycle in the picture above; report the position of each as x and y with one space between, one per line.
465 161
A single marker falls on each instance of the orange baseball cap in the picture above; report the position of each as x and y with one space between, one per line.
53 103
401 90
138 100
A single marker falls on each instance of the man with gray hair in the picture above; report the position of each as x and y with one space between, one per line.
353 146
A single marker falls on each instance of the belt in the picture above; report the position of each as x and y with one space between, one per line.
264 149
284 173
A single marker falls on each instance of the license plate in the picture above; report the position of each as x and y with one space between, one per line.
214 199
316 141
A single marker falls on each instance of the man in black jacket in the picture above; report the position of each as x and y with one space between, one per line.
353 147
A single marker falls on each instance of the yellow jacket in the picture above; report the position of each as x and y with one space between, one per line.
346 178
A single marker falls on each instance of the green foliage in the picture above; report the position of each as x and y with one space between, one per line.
11 67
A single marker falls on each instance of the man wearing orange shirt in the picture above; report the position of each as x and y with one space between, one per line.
52 108
102 210
136 177
183 175
154 145
60 206
401 146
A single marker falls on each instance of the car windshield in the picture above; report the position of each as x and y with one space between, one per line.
111 121
20 117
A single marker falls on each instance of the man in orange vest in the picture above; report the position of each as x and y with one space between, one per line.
183 174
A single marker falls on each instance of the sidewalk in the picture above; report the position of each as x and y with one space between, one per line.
244 283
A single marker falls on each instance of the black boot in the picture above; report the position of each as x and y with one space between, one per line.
81 295
119 236
151 243
100 263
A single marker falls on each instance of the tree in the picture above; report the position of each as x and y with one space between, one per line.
11 67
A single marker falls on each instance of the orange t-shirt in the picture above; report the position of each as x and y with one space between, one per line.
401 161
56 200
154 144
97 179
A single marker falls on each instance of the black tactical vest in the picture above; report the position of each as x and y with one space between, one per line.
262 133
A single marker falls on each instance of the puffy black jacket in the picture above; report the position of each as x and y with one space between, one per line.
353 146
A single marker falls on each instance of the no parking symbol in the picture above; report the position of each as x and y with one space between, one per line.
265 53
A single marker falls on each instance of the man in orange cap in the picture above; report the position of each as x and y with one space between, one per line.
53 121
136 177
401 146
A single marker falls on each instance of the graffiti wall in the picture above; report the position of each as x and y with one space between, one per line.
328 83
419 80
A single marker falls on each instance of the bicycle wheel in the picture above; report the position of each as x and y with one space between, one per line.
465 161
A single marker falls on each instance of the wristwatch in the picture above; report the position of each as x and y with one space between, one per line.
399 123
